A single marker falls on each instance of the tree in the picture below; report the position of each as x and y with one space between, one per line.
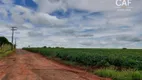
3 40
44 47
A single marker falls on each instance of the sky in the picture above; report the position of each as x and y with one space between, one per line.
72 23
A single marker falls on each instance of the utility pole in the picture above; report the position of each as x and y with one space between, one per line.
13 29
15 43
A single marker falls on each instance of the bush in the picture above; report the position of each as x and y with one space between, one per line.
136 75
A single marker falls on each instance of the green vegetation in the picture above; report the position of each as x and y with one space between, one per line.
122 59
5 47
119 75
5 54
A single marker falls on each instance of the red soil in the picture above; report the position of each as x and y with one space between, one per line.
25 65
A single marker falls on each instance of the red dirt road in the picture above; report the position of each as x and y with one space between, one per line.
25 65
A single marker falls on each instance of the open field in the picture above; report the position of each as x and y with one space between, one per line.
123 60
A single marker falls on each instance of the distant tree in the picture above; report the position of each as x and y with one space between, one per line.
49 47
61 47
124 48
57 47
44 47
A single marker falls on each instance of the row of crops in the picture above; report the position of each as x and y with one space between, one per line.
125 58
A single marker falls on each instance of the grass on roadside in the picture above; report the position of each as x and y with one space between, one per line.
119 75
5 54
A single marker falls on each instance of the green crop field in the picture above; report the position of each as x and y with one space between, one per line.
103 58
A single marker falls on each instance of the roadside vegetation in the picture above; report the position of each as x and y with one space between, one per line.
127 74
5 47
126 63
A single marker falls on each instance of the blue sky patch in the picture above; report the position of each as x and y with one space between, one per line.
26 3
66 14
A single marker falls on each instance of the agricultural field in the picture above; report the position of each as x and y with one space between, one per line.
127 63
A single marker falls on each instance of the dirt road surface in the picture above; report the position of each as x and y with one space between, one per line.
25 65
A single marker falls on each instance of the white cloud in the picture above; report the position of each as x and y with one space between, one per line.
49 5
39 28
3 12
46 19
20 14
89 5
28 25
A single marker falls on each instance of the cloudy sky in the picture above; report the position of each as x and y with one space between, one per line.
72 23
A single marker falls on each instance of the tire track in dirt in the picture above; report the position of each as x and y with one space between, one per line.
25 65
